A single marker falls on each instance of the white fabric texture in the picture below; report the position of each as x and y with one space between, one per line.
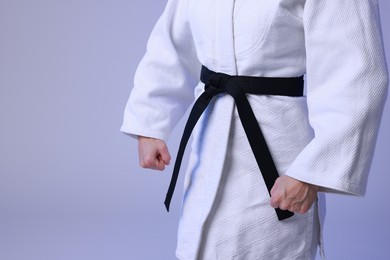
326 138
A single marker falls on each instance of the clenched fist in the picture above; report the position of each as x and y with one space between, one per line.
293 195
153 153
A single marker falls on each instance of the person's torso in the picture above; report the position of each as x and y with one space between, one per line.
257 37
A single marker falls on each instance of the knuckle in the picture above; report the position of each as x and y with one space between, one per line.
278 198
274 200
149 161
304 209
283 206
295 209
142 164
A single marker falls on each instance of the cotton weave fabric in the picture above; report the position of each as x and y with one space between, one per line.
326 138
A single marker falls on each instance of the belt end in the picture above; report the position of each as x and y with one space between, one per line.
283 214
166 203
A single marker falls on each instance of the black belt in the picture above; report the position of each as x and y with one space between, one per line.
237 87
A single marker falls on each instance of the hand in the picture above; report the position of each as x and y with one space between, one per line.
293 195
153 153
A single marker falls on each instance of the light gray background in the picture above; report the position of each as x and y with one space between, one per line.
70 185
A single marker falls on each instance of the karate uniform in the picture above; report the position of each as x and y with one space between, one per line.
326 137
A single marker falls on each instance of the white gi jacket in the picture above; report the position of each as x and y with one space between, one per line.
326 138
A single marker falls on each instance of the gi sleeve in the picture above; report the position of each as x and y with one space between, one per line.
346 91
165 78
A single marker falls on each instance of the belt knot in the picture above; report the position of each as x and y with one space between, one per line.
217 82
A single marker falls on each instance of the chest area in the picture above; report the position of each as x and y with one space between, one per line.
245 22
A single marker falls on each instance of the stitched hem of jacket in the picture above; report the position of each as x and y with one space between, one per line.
135 132
331 186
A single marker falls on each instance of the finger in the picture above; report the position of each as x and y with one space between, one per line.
159 165
152 161
303 210
165 156
148 162
306 205
295 208
284 205
275 186
274 201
